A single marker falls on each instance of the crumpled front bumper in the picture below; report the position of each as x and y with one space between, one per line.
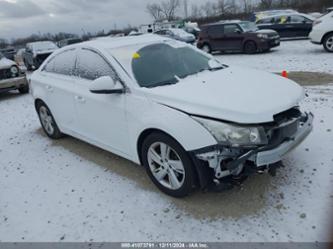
231 161
274 155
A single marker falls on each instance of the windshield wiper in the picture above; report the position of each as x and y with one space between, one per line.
216 68
164 83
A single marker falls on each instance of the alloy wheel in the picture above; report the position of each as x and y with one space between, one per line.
46 119
166 166
329 43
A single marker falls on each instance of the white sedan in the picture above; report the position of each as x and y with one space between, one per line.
190 120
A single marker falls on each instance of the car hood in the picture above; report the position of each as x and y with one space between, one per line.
233 94
267 31
6 63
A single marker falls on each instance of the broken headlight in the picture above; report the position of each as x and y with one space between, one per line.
234 135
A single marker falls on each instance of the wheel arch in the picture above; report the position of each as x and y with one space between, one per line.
202 174
38 100
144 134
324 36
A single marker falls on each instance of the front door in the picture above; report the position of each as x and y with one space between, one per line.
101 118
233 37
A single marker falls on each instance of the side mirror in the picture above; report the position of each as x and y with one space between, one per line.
237 31
106 85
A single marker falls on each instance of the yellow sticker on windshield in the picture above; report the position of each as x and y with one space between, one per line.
136 56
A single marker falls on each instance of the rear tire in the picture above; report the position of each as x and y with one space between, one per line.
168 165
206 48
250 47
328 43
47 121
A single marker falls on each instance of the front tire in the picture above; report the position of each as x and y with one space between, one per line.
168 165
47 121
328 43
250 47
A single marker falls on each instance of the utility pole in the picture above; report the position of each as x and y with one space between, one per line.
186 8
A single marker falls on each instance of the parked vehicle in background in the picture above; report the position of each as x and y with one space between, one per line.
193 30
294 25
36 52
11 77
262 14
19 57
322 32
161 103
177 34
68 41
329 9
9 52
240 36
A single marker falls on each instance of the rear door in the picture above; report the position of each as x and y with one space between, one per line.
100 117
58 83
215 35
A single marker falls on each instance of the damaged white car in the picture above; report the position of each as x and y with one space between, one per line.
190 120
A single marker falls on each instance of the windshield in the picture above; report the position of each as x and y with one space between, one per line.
40 46
162 64
248 26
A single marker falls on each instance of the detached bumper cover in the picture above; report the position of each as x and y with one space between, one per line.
275 155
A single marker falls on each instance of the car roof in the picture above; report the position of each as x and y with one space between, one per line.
288 14
224 22
122 42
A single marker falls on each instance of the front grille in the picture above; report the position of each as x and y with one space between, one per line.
5 74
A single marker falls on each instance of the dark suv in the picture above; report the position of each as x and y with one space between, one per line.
236 36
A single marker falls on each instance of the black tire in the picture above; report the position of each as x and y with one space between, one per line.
328 39
250 47
188 184
24 89
56 133
207 48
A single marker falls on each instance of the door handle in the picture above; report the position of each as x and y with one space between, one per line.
80 99
49 88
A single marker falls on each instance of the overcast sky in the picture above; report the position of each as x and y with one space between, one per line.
20 18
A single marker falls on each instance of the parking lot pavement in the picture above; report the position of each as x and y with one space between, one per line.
68 190
297 55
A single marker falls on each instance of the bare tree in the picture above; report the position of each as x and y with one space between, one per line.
164 10
169 8
247 6
155 11
195 12
266 4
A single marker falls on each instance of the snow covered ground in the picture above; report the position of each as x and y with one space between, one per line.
300 55
68 190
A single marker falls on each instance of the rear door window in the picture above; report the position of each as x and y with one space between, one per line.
299 19
216 31
63 63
